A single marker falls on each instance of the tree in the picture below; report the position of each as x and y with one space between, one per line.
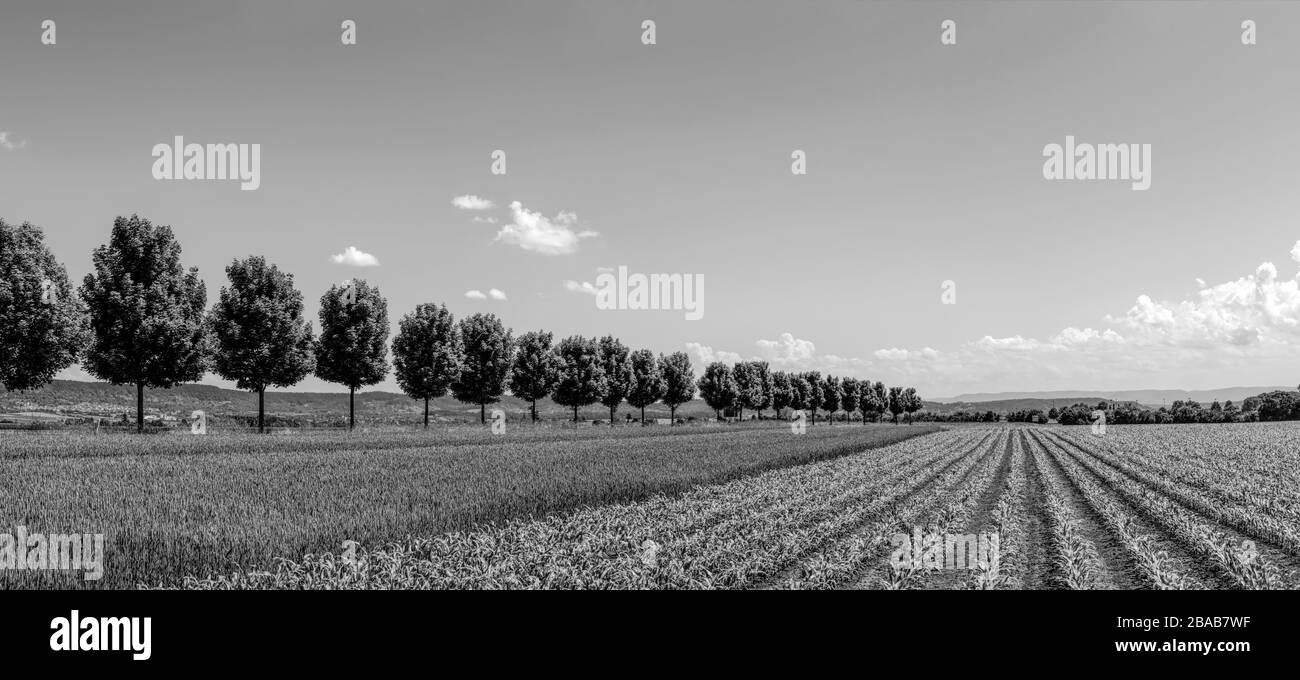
782 391
870 405
912 403
427 354
43 326
831 396
745 385
536 368
753 385
896 402
146 311
581 377
259 334
849 389
647 384
718 387
618 373
679 381
487 348
812 392
798 392
353 345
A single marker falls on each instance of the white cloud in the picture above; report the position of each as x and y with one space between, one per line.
8 144
1295 251
705 355
355 258
492 293
584 287
496 294
484 220
1233 326
472 202
475 295
533 231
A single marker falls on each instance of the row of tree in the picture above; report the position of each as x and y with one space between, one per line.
752 385
1271 406
140 318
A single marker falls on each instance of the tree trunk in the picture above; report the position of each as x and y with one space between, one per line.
643 416
813 411
575 413
534 410
612 409
139 407
426 413
261 410
482 413
672 416
352 408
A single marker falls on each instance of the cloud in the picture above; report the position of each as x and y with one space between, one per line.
705 355
492 293
7 144
584 287
484 220
1295 251
1251 323
533 231
472 202
355 258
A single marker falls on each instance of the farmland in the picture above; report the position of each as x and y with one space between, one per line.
1176 507
174 505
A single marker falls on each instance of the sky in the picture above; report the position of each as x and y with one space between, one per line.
924 165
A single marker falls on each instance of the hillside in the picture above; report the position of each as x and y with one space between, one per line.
1155 398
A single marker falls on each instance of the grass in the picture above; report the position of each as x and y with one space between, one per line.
172 506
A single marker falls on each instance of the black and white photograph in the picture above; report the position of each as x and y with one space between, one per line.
564 295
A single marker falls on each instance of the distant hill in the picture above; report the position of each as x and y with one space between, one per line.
1009 405
1154 398
73 397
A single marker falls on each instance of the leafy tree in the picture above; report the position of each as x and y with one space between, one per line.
718 387
782 391
831 396
679 381
353 345
43 326
146 311
753 385
536 368
427 354
896 403
849 389
582 379
912 403
813 394
647 384
746 387
487 348
260 336
618 373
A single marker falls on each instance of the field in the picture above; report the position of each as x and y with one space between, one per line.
175 505
1144 507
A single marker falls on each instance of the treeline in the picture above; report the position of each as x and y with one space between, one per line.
140 318
1271 406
